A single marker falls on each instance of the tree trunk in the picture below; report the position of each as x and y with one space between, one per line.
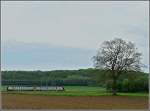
114 86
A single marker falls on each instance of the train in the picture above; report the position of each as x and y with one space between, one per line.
35 88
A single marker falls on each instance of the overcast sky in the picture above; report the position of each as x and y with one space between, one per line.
65 35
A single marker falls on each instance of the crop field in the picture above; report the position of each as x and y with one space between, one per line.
74 97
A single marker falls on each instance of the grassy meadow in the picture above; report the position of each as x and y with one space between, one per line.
76 91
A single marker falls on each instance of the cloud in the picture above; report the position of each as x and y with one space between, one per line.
82 25
41 56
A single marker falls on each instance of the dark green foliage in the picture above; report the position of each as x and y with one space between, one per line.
127 82
80 77
131 82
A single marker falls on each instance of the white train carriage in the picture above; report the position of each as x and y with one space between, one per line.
27 88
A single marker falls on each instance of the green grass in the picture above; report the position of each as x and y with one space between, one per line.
3 88
134 94
77 91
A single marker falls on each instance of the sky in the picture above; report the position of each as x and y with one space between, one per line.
48 35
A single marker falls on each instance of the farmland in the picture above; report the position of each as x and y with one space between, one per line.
74 97
84 89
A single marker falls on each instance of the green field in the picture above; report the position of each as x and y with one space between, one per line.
76 91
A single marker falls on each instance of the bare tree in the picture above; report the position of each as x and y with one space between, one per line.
117 56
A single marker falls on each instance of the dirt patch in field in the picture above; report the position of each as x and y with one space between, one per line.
16 101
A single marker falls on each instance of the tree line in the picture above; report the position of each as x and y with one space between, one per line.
130 81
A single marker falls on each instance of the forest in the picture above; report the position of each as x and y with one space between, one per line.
129 81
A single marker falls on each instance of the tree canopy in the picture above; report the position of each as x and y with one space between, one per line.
117 56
